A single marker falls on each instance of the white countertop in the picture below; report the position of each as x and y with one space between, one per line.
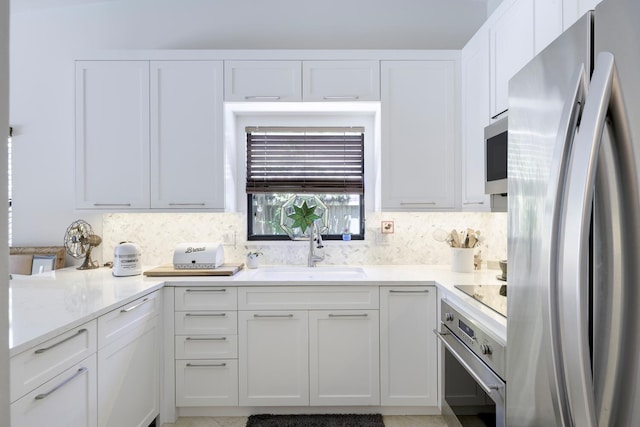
43 306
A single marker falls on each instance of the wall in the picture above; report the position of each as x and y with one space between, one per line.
412 242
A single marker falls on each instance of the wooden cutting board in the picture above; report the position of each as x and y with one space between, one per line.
168 270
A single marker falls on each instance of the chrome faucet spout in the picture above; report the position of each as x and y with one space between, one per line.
314 235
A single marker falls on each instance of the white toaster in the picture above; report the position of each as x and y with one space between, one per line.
127 259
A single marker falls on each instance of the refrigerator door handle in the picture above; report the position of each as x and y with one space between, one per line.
567 131
574 238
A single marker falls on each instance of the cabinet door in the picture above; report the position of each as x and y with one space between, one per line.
112 134
344 357
547 21
187 168
256 81
475 116
408 347
512 46
206 382
572 10
273 357
419 137
341 80
67 400
129 378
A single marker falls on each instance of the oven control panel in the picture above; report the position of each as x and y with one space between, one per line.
471 333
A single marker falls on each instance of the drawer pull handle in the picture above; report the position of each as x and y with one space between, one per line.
206 290
133 307
207 339
416 203
396 291
282 316
344 97
112 204
206 365
348 315
186 204
263 97
62 384
206 314
42 350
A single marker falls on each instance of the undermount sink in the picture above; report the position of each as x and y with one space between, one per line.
294 273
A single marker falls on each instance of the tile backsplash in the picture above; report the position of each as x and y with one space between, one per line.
412 241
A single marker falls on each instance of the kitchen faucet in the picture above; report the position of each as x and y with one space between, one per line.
313 257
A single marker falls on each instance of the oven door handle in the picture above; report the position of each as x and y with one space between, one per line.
488 388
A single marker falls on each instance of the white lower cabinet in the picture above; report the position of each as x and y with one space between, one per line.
129 365
305 346
206 346
408 347
67 400
308 345
344 357
274 358
207 382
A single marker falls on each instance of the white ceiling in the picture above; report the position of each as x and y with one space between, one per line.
295 24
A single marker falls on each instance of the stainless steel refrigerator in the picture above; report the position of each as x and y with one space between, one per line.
573 329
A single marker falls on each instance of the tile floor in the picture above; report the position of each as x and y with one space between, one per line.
389 421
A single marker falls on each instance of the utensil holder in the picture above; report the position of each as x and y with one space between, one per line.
462 260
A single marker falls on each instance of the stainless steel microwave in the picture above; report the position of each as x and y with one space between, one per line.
495 157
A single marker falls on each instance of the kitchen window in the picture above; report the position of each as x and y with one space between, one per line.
327 162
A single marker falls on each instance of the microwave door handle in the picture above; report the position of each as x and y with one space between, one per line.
574 238
557 177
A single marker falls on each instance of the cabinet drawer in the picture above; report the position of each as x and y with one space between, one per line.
206 383
209 298
39 364
127 318
206 347
206 323
308 297
68 400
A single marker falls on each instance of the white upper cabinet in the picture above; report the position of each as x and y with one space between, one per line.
574 9
149 135
512 46
269 81
186 134
419 134
341 80
112 134
548 22
475 116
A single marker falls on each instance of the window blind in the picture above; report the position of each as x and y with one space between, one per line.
305 160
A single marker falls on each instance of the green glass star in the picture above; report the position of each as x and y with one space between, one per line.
303 216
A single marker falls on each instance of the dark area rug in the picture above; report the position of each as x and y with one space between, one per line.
316 420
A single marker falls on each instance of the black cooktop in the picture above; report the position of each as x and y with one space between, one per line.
493 296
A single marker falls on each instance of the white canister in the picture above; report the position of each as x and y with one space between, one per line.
127 259
462 260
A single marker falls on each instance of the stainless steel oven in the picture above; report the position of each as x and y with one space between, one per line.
474 371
